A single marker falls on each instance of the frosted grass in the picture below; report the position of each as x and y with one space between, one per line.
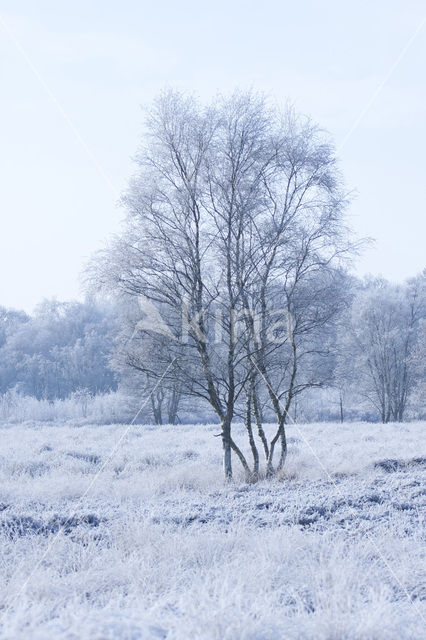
161 548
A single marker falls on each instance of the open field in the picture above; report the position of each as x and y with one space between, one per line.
159 547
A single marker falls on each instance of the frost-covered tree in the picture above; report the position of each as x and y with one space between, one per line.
379 342
418 362
140 358
235 207
62 348
11 321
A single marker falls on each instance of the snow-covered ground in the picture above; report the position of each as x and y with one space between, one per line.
159 547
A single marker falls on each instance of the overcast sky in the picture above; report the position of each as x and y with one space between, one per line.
74 74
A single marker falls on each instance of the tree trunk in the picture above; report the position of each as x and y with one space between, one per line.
226 443
258 418
156 403
249 428
269 463
283 439
341 407
173 406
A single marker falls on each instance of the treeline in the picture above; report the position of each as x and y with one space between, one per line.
86 359
63 348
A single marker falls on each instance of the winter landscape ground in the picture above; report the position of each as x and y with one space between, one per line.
160 547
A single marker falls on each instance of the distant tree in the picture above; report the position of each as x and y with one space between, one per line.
63 347
379 342
140 360
10 322
418 362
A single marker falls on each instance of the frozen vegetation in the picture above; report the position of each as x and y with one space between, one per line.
160 547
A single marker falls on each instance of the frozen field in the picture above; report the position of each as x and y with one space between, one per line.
159 547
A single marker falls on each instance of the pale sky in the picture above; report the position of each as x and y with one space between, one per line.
74 74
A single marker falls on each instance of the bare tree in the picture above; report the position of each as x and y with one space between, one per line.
379 346
141 355
236 210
